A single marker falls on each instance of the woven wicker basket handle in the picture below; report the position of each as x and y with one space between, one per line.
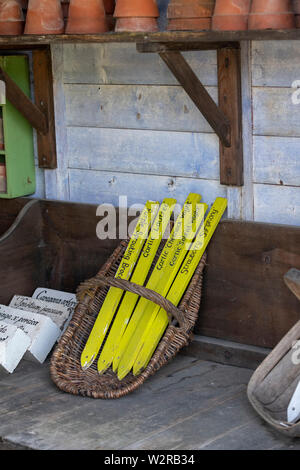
149 294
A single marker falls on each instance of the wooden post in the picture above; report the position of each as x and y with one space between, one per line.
43 89
230 102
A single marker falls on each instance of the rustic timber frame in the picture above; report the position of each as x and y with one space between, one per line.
225 118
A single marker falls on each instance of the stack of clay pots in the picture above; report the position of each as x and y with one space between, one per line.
239 15
86 17
44 17
136 15
99 16
272 14
11 17
109 7
231 15
190 14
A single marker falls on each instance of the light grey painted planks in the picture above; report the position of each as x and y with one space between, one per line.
124 126
277 204
277 160
276 117
121 64
187 154
134 107
275 63
275 113
92 186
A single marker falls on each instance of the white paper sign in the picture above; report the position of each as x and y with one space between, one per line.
13 345
41 330
59 314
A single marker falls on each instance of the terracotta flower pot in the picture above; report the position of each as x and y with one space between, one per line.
191 8
11 18
86 17
189 24
44 17
190 14
136 15
272 14
136 9
3 187
146 25
231 15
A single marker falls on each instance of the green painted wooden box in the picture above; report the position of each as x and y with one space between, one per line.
17 168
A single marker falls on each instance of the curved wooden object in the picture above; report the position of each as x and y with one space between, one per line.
292 280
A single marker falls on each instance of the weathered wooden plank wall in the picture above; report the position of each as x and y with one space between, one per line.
276 130
125 127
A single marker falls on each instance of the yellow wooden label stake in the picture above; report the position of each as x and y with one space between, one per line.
114 294
193 217
157 328
140 273
155 278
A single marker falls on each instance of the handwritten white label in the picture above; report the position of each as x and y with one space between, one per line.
59 314
56 297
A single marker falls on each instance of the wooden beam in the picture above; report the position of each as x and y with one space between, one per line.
198 94
23 104
226 352
33 41
147 47
43 89
230 102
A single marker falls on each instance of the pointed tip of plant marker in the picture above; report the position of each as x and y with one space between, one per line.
122 373
86 362
137 369
103 366
116 363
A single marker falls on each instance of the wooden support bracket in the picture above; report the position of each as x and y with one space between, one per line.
23 104
41 114
225 118
196 91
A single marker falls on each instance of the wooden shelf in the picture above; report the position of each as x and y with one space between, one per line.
27 41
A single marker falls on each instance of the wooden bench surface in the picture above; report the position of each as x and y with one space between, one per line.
188 404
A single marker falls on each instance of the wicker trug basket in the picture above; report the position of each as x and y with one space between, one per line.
65 367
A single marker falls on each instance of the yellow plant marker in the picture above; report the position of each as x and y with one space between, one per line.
155 277
114 294
139 276
171 268
157 328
